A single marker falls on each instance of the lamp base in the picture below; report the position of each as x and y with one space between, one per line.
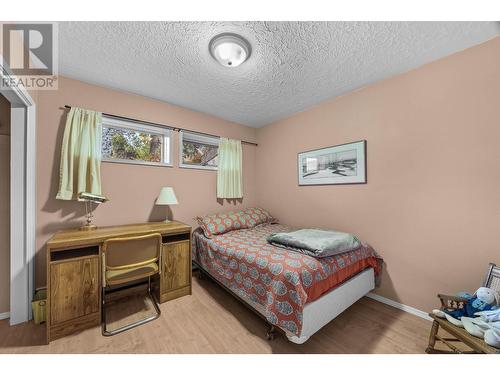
167 221
87 227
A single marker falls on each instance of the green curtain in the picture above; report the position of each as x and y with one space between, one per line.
230 170
81 154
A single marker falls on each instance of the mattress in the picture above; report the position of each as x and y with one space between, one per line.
281 281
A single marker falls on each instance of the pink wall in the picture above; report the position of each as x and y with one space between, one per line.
431 207
131 189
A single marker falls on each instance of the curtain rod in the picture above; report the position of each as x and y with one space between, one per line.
174 128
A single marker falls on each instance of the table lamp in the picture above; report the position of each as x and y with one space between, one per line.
166 197
90 200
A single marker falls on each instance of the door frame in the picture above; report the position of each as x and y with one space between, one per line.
22 197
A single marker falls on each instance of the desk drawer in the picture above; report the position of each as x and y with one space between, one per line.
74 288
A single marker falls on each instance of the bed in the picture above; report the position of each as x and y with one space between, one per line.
297 294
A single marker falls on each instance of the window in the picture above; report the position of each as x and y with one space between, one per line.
198 151
134 142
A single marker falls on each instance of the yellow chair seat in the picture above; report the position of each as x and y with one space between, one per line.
132 273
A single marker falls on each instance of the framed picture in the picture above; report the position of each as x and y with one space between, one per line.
335 165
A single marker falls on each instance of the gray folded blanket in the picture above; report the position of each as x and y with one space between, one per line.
316 242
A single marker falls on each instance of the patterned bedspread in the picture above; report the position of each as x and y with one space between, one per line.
280 280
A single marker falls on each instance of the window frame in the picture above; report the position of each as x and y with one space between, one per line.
166 133
205 139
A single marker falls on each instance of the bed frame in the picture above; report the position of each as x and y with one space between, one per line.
317 313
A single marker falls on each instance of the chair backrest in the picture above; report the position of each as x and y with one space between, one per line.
492 279
126 252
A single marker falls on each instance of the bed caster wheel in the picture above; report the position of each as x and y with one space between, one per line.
271 334
200 275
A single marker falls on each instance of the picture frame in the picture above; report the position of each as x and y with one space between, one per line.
334 165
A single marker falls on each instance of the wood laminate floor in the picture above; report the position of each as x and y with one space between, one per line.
212 321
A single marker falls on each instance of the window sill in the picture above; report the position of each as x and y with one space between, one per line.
136 162
187 166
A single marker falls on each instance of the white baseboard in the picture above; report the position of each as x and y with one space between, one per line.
5 315
400 306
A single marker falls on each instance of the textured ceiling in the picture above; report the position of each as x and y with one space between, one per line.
293 66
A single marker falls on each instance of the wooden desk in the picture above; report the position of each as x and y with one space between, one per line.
74 272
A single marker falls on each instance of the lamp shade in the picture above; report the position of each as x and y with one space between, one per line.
167 196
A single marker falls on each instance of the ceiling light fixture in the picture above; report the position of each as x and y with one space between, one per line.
229 50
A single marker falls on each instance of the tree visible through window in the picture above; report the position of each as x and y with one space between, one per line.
199 151
142 144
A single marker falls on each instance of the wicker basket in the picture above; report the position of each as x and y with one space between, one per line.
38 306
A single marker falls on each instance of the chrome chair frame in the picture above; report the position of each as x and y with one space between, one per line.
151 296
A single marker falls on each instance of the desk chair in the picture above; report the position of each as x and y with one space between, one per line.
492 280
128 259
